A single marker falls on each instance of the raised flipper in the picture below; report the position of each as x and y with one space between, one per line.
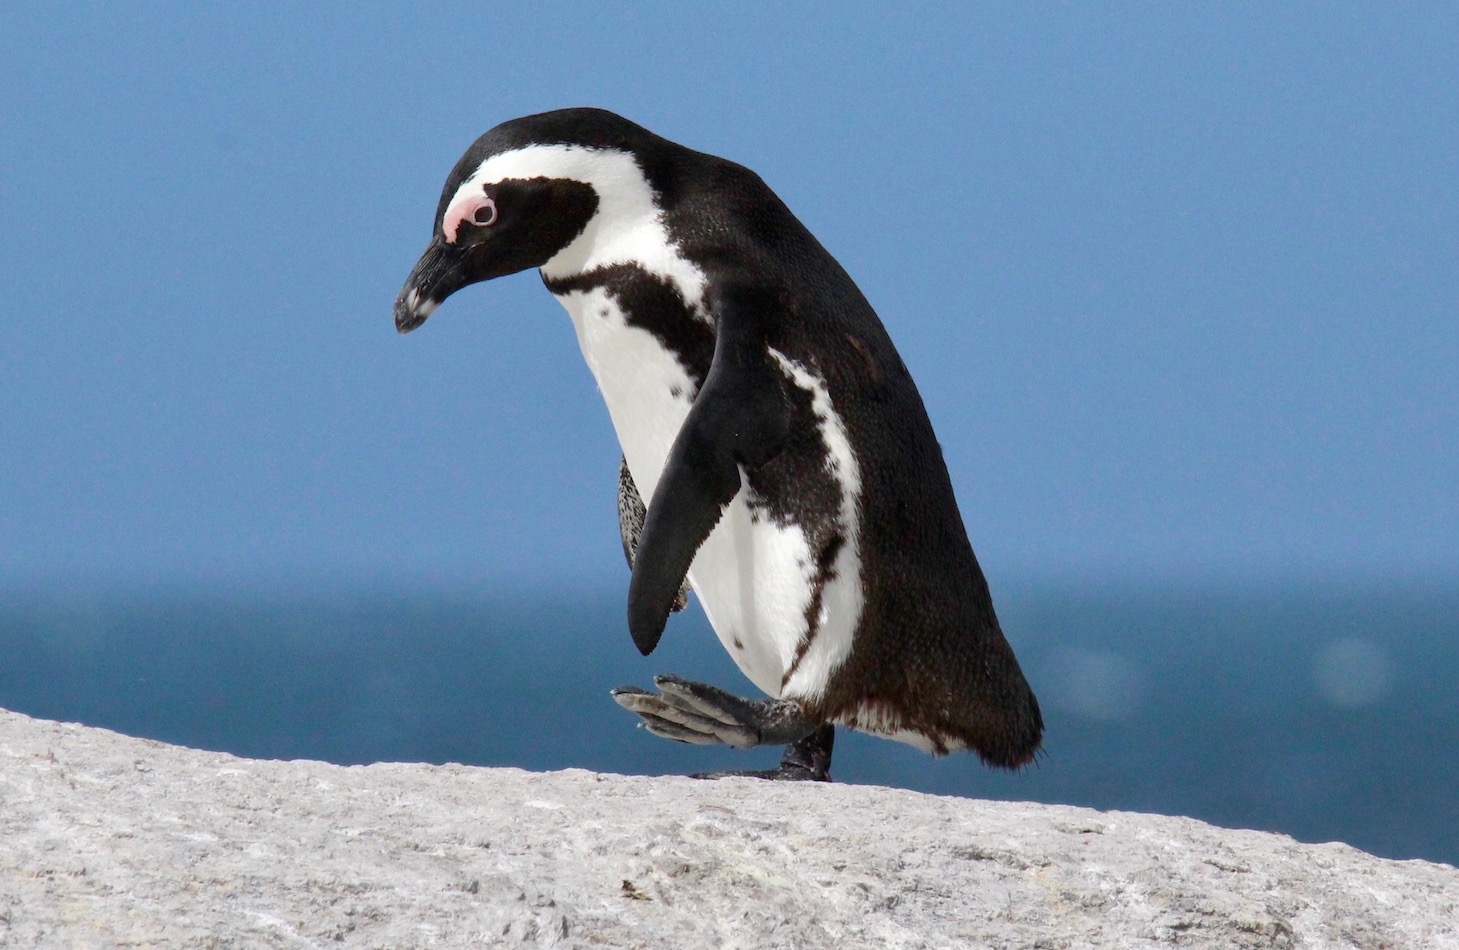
740 419
630 523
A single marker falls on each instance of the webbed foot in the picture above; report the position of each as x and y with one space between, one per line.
698 713
808 760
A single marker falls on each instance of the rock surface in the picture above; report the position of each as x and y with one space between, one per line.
107 840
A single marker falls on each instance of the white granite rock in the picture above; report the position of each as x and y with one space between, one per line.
112 841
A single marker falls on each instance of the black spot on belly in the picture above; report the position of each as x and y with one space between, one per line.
654 304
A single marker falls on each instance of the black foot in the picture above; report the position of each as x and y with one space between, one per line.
686 711
808 760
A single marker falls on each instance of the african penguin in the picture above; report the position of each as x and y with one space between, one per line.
793 478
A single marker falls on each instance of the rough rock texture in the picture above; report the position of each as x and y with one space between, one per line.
107 840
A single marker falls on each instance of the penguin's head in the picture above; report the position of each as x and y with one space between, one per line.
531 191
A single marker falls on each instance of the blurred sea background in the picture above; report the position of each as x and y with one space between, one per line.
1177 283
1325 713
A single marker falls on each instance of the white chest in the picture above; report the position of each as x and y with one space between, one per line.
753 577
647 391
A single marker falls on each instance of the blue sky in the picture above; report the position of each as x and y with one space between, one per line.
1178 282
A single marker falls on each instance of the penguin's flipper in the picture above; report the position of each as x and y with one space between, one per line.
698 713
631 512
740 419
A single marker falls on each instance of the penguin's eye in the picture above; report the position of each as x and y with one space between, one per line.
485 213
478 210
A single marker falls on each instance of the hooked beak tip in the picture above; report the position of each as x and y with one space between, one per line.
411 311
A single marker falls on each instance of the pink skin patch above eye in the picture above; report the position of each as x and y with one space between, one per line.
463 211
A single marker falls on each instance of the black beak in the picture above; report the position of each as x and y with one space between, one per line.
438 274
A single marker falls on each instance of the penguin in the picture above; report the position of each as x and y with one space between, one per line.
777 458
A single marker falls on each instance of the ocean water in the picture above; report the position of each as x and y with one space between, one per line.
1326 713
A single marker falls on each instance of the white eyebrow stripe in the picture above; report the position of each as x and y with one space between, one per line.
628 226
